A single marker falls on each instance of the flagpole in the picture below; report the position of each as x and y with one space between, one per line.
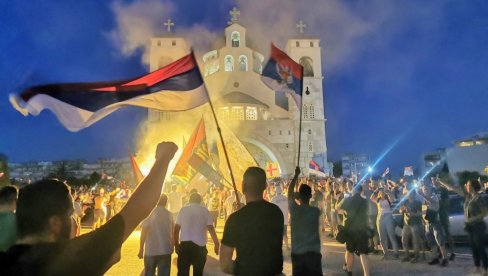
221 140
300 124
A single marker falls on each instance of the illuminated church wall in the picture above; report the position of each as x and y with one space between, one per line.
267 124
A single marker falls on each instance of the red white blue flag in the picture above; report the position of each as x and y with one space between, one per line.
314 168
385 173
283 74
176 87
408 171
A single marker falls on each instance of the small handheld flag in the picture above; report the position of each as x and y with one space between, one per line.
282 73
387 171
408 171
178 86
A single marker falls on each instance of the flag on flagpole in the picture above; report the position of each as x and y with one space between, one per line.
136 172
387 171
178 86
283 74
183 172
314 168
408 171
272 170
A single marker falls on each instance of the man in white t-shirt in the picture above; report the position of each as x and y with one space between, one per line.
157 236
193 220
282 201
175 200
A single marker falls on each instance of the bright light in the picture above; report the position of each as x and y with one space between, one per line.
370 170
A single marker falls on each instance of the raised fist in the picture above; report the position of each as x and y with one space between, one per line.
297 171
166 150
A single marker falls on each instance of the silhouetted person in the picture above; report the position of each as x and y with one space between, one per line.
255 232
306 258
8 204
43 214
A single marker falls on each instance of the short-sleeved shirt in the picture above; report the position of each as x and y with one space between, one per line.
415 207
8 230
318 199
443 205
175 201
474 206
194 220
89 254
160 232
356 208
304 228
282 202
256 232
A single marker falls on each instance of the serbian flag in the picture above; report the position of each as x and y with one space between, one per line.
176 87
314 168
137 174
282 73
408 171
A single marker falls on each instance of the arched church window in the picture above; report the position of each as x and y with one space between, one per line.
237 113
305 111
224 113
310 147
235 38
310 131
311 112
251 113
243 63
307 64
229 63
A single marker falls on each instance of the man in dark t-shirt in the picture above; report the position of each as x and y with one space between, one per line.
356 226
254 232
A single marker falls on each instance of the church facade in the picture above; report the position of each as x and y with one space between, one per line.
265 121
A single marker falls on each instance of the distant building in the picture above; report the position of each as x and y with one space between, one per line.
433 161
32 170
355 165
265 121
469 154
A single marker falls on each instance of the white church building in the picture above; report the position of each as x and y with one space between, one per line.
266 122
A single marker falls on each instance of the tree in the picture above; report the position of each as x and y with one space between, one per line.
4 170
466 176
337 169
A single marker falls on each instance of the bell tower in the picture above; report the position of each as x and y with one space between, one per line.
307 52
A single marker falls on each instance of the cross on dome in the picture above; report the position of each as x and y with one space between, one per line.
233 15
168 25
301 26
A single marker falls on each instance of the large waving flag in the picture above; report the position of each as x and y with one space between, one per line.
136 172
176 87
183 172
283 74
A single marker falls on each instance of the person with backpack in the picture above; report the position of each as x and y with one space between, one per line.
355 210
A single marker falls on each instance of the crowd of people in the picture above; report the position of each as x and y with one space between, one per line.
39 224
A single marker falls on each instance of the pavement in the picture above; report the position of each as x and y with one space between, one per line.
332 260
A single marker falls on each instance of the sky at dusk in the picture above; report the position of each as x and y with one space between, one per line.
418 68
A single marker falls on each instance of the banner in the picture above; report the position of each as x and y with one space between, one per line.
272 170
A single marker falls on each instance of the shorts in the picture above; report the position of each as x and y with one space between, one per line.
358 242
434 234
98 214
309 264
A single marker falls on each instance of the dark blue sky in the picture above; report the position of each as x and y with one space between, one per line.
387 68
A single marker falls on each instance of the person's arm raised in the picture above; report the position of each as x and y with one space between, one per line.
291 187
145 197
